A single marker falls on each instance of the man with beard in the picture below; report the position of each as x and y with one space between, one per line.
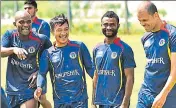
38 25
67 62
159 87
114 61
23 48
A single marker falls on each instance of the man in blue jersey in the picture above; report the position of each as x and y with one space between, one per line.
67 62
4 102
23 48
38 25
158 89
114 61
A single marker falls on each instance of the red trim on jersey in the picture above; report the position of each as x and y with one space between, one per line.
36 21
71 44
117 42
163 27
34 38
15 33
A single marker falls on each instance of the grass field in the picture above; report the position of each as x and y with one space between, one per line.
91 41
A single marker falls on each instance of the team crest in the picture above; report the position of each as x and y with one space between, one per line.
113 55
162 42
31 49
73 55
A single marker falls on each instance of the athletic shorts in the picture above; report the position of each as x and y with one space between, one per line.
145 100
80 104
109 106
15 101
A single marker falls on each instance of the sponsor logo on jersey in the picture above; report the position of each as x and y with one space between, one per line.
106 72
73 55
162 42
113 55
57 57
99 54
156 60
67 74
31 49
22 65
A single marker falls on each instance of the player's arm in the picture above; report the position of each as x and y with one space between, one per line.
129 73
7 50
45 29
94 84
171 81
41 77
129 65
87 60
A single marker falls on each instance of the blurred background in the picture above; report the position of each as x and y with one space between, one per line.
85 21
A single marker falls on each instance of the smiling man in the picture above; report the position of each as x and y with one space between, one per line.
114 61
23 48
67 62
158 89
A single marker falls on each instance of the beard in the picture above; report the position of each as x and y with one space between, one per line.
114 32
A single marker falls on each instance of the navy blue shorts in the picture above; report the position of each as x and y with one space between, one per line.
80 104
109 106
145 100
15 101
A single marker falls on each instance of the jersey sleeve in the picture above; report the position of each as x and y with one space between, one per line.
45 29
128 58
173 42
87 60
43 69
5 40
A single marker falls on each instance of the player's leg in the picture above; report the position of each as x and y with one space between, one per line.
32 103
44 102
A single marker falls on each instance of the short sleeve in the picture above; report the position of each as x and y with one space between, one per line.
128 58
5 40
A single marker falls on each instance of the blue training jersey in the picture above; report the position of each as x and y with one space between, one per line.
158 47
40 26
110 61
66 65
18 71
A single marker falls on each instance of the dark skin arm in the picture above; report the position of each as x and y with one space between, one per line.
94 88
20 52
129 73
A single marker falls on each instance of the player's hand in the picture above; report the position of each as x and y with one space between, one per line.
93 106
20 52
159 101
33 80
38 93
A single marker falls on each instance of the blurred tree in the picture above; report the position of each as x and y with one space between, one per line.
162 12
16 7
69 14
126 18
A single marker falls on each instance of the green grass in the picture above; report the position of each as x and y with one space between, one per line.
91 40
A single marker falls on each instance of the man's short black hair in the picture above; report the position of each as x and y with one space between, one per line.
31 2
151 8
111 14
60 19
